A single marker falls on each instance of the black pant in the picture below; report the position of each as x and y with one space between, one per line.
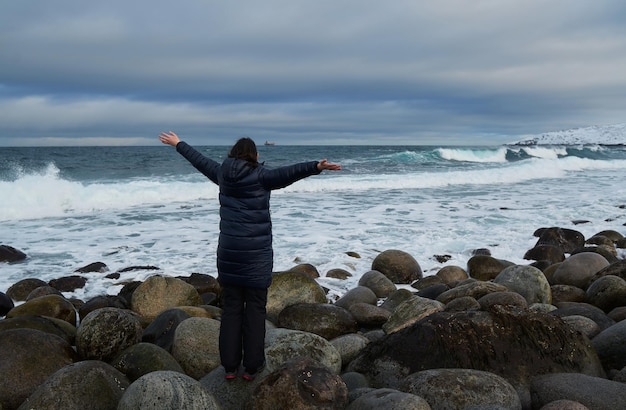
243 326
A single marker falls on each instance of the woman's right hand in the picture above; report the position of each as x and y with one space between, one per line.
169 138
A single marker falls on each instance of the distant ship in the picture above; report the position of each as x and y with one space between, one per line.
269 143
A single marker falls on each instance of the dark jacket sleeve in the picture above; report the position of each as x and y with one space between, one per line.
203 164
284 176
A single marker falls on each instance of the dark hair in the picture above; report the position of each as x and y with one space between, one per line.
245 149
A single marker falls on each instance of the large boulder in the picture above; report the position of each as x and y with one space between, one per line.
143 358
107 332
301 383
607 293
584 309
50 305
230 394
579 269
10 254
388 399
485 267
568 240
528 281
159 293
6 304
451 273
513 346
20 290
166 390
349 346
27 358
595 393
99 302
328 321
611 346
550 253
462 389
90 384
290 288
284 344
380 284
369 315
50 325
398 266
196 346
359 294
68 283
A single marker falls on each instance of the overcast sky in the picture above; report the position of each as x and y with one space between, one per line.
316 72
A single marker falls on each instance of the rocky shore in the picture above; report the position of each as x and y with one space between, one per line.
490 335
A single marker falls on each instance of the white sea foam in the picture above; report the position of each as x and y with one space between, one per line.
473 155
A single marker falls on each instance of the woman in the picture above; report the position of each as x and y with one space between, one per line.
244 251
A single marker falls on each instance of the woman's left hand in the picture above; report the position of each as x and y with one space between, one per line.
324 164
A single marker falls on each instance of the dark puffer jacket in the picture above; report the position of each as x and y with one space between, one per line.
244 253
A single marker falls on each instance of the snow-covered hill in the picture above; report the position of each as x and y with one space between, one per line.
595 135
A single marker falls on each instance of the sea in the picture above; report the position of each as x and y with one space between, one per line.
66 207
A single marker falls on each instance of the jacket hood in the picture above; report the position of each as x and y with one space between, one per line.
234 169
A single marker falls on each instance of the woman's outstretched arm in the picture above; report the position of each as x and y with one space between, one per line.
203 164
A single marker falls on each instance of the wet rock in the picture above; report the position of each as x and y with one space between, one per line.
380 284
230 394
583 324
290 288
328 321
354 380
449 274
203 283
395 299
50 305
306 269
618 314
369 315
43 291
608 254
68 283
388 399
49 325
105 333
359 294
464 303
166 390
433 291
607 293
593 392
349 346
579 269
27 358
564 405
20 290
338 273
10 254
284 344
485 268
160 293
143 358
301 383
509 300
427 282
411 311
398 266
616 269
100 302
462 389
6 304
566 293
527 281
611 346
476 289
97 267
196 346
584 309
550 253
513 346
566 239
161 330
89 384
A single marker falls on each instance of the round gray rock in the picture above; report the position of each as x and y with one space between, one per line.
380 284
359 294
579 269
90 384
284 344
328 321
349 346
462 388
144 358
290 288
388 399
166 390
607 293
528 281
159 293
105 333
398 266
611 346
196 346
593 392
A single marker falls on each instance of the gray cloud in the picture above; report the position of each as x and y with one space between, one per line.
308 72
